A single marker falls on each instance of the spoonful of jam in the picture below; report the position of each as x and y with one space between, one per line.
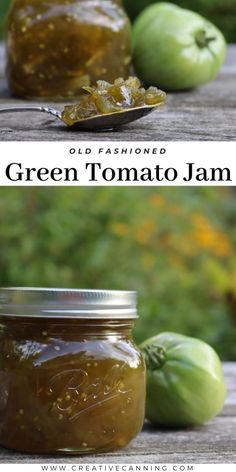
105 105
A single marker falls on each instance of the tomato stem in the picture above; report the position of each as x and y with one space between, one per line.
202 39
155 356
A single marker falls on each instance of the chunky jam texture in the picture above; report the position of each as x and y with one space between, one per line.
107 98
69 387
57 46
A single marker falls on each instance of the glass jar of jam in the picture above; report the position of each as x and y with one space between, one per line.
54 47
71 378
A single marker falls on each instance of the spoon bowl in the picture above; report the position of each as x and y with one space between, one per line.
94 123
112 120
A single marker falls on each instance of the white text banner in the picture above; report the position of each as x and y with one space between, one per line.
118 164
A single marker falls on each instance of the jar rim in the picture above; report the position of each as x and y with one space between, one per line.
67 303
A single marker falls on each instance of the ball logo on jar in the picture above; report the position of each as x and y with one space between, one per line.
74 393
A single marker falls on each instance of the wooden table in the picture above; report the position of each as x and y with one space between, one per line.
208 113
212 443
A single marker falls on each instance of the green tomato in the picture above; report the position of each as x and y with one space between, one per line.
185 382
176 49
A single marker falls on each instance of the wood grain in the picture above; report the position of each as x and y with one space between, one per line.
212 443
208 113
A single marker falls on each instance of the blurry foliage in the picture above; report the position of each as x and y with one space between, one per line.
175 246
221 12
4 4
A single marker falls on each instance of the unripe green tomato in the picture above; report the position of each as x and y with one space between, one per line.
185 382
176 49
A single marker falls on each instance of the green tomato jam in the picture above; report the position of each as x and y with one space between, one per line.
72 383
55 47
105 98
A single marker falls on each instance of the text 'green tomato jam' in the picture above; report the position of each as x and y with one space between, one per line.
55 47
105 98
71 378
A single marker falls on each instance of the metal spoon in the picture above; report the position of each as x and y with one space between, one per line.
94 123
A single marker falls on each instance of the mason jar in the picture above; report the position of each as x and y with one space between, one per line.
54 47
71 378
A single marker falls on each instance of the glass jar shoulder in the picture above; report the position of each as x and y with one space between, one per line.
26 14
45 350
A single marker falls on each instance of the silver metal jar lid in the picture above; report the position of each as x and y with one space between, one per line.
67 303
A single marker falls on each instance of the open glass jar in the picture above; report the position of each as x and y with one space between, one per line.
54 47
71 378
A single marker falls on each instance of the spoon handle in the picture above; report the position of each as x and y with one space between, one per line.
49 110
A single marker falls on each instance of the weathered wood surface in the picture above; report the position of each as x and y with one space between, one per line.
208 113
212 443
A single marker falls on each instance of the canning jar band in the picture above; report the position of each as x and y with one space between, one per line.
66 303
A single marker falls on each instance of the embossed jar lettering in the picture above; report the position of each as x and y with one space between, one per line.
75 394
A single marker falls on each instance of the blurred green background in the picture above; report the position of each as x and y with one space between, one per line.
176 246
3 8
221 12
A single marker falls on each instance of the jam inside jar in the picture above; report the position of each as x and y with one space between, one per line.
71 378
54 47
